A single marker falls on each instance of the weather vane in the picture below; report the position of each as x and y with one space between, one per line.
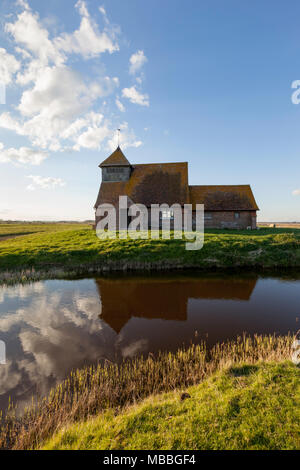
118 130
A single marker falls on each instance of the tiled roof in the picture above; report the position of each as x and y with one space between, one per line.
116 158
109 193
235 197
157 183
153 183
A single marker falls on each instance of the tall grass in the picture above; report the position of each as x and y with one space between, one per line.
90 391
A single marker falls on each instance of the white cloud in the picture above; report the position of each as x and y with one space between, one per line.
23 155
72 331
59 107
23 4
38 49
82 8
137 347
74 128
25 54
92 138
28 31
59 95
120 105
137 61
135 96
87 40
8 122
44 182
57 92
102 10
88 132
8 66
296 192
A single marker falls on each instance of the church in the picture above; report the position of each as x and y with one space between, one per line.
225 206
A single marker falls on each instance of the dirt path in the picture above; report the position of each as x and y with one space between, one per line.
8 237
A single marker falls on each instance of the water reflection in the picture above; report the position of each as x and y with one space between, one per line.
162 298
53 327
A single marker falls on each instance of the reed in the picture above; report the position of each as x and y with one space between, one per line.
90 391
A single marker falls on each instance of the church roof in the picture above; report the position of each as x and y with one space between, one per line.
223 198
153 183
117 158
157 183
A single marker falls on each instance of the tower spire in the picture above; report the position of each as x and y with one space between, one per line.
118 131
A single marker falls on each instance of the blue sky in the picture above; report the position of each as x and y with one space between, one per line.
208 82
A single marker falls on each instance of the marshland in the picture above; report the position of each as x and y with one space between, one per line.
94 328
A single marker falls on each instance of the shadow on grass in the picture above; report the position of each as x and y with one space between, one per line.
259 232
241 371
4 236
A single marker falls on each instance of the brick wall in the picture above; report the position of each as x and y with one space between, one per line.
230 219
216 219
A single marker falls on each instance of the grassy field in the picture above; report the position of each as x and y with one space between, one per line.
244 407
108 390
18 229
61 249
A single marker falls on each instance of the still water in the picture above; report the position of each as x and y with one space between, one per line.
53 327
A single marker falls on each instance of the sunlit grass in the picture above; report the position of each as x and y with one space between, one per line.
242 407
57 251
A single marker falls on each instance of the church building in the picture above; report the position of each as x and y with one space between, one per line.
225 206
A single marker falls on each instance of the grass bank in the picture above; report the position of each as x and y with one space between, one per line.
113 387
59 252
243 407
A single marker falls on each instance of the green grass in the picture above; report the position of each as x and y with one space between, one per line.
109 389
77 249
244 407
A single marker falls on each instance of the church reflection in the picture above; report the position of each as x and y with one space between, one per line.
53 327
165 299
